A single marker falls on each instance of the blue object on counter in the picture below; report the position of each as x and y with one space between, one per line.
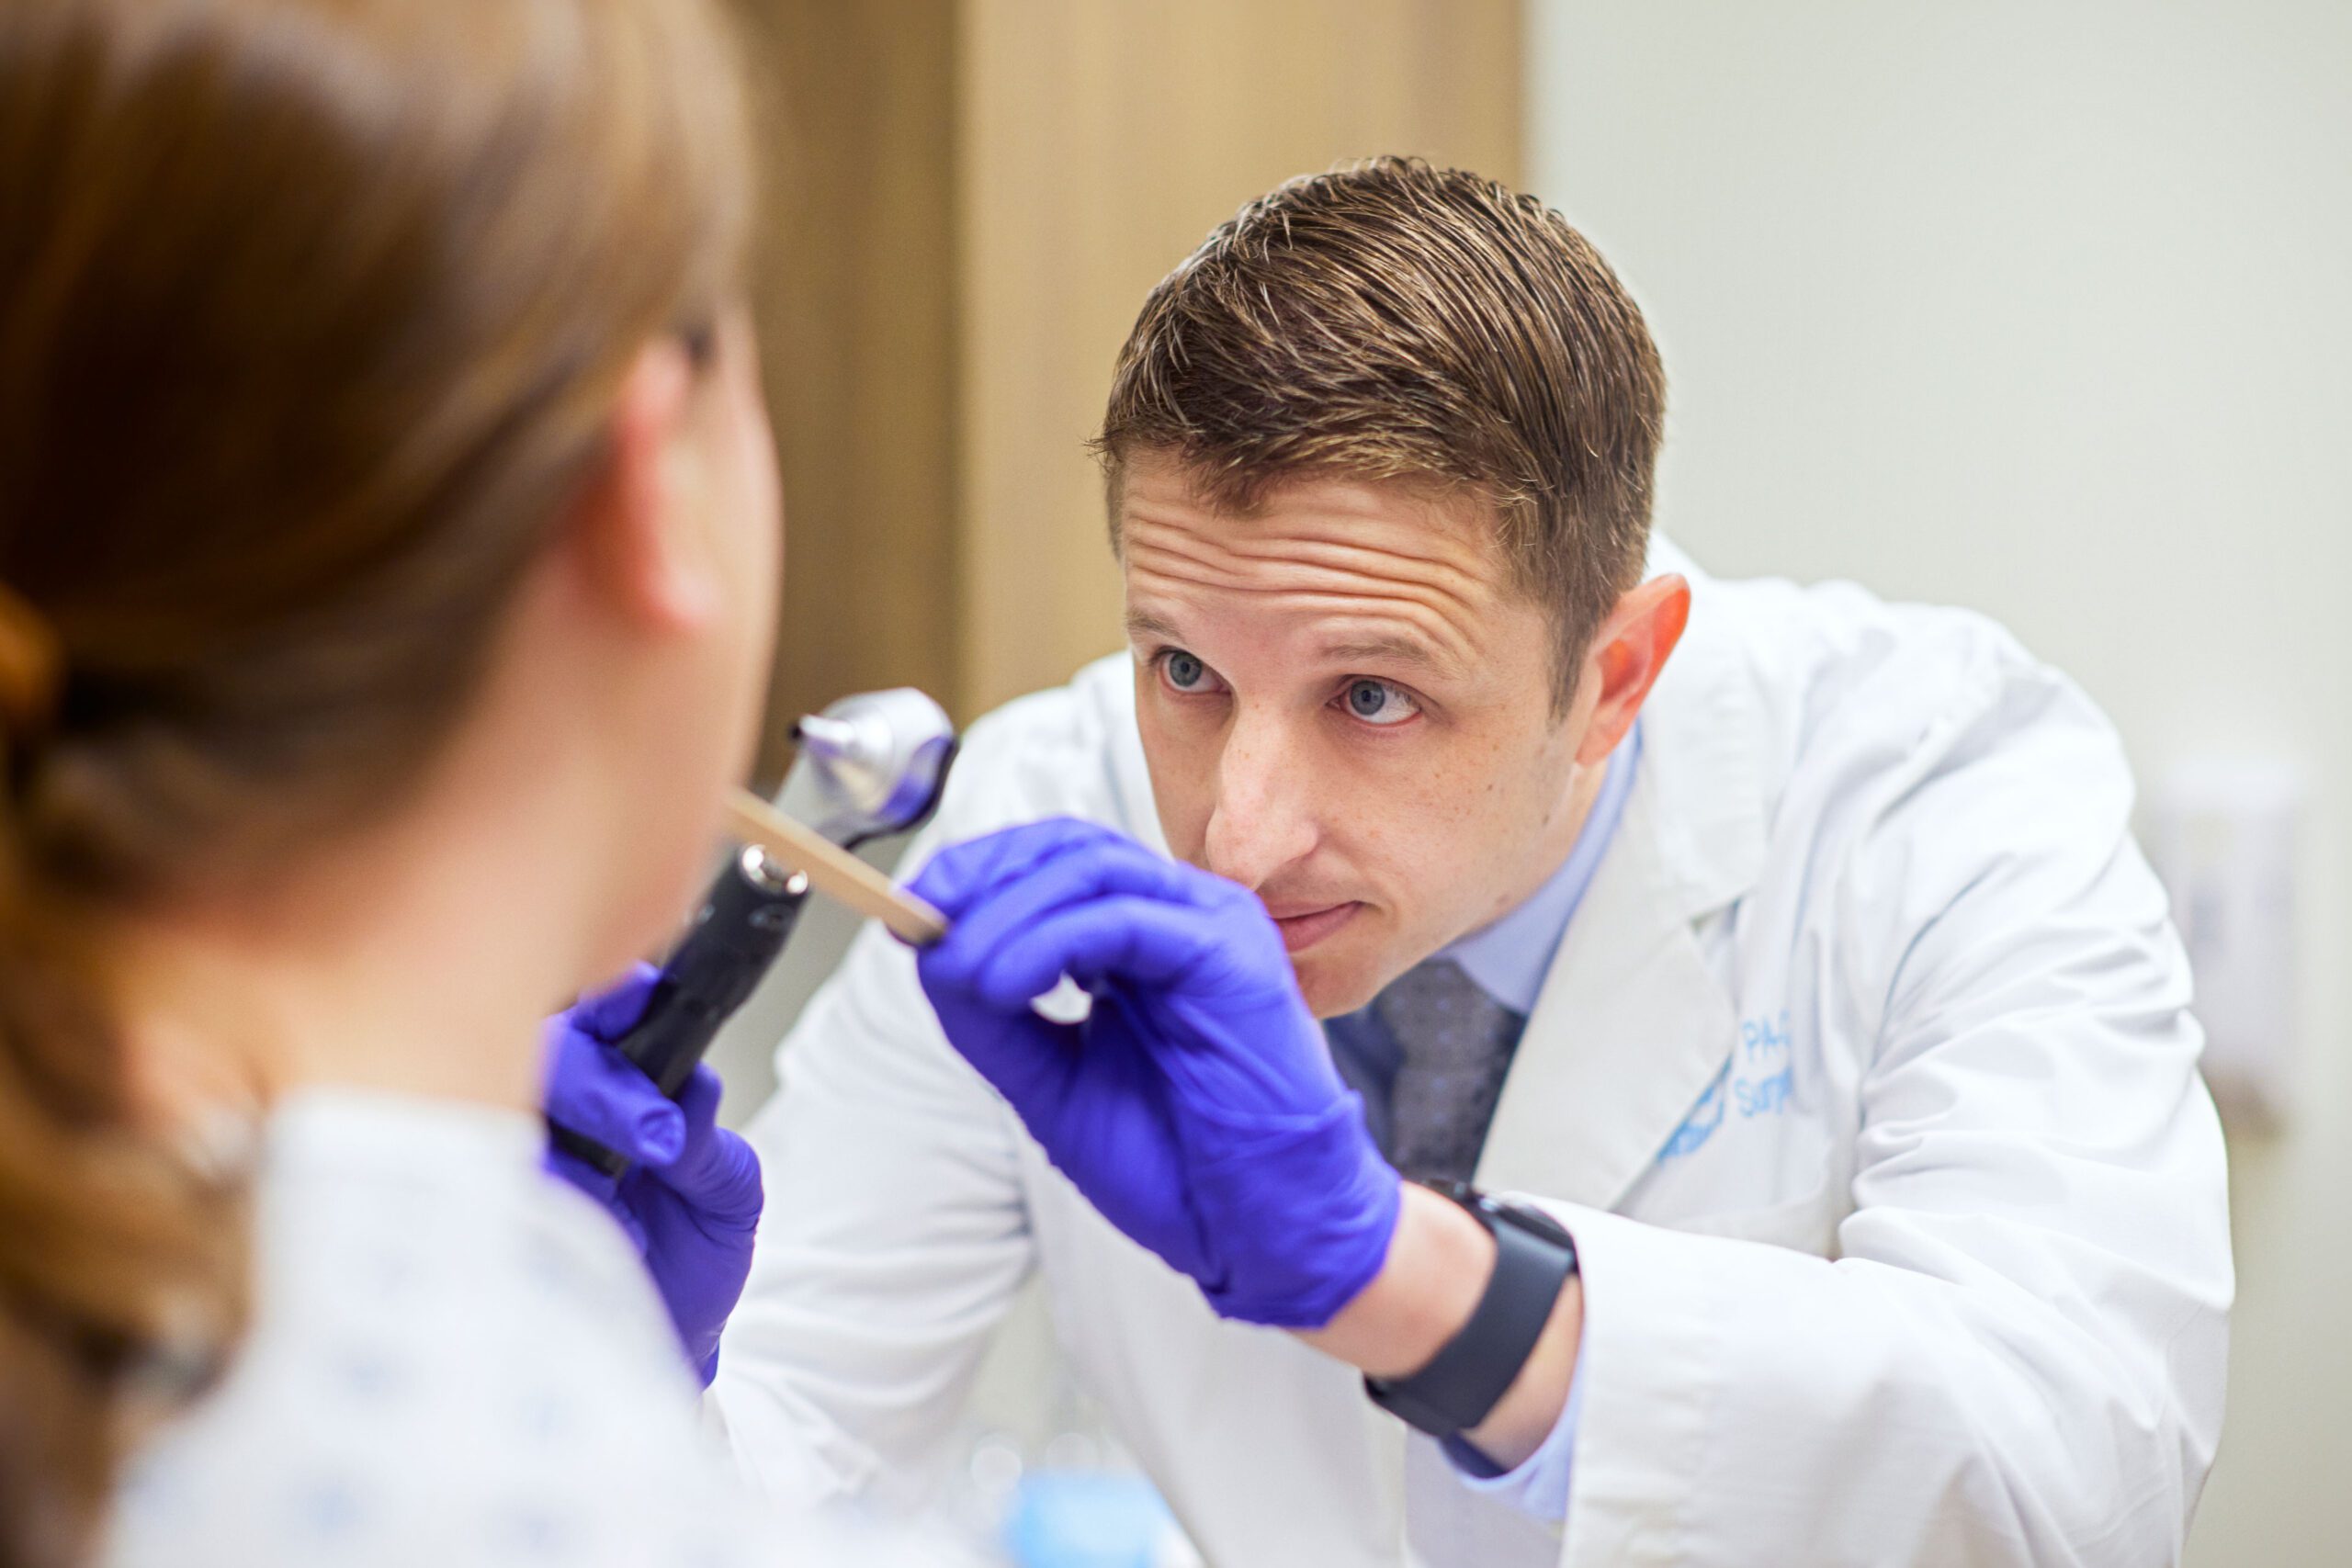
1087 1518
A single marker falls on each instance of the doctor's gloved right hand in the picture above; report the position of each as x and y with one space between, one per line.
1196 1106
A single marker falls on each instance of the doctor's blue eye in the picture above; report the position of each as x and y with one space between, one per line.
1378 702
1183 671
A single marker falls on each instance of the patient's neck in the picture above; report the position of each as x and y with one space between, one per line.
420 958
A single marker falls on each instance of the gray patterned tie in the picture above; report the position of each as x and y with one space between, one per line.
1455 1044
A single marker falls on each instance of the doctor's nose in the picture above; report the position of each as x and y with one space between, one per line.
1262 819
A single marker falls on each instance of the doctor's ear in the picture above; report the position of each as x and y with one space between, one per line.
643 540
1628 654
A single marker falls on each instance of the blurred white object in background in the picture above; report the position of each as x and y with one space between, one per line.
2227 835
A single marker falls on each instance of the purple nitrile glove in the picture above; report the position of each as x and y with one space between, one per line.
1197 1106
691 1199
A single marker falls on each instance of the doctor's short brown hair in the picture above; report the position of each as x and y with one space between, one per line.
1391 320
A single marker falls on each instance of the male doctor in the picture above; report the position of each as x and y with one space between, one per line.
1754 1115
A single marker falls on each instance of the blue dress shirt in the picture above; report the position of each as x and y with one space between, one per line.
1508 960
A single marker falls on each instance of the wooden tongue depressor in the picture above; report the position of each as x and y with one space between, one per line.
832 869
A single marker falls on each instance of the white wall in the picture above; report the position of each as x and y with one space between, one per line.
2039 306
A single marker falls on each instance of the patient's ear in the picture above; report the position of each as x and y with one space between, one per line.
644 550
1628 655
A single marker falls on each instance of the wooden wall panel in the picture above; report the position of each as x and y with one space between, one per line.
856 296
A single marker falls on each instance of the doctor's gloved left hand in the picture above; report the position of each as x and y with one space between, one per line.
1196 1106
691 1197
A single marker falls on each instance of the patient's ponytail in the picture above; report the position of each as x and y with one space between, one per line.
312 315
121 1267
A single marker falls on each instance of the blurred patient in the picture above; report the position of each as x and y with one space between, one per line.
388 540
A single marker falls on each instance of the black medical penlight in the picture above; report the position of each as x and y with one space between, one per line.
869 766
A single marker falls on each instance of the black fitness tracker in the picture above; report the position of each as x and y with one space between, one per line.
1534 1259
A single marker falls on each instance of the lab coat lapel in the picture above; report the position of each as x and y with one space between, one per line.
1628 1032
1631 1024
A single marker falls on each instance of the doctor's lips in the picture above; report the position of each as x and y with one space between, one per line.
1305 924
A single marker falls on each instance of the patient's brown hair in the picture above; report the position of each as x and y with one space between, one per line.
311 315
1390 321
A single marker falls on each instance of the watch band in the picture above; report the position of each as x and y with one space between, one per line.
1534 1259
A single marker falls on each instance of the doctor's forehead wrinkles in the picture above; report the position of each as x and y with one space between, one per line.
1412 573
1359 614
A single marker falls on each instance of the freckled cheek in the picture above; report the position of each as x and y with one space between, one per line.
1402 827
1445 829
1508 817
1182 763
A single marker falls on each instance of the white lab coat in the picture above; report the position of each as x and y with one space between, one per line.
1934 1267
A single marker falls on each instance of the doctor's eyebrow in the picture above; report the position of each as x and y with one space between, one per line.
1143 625
1398 649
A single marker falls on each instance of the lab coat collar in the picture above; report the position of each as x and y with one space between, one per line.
1632 1024
1704 729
